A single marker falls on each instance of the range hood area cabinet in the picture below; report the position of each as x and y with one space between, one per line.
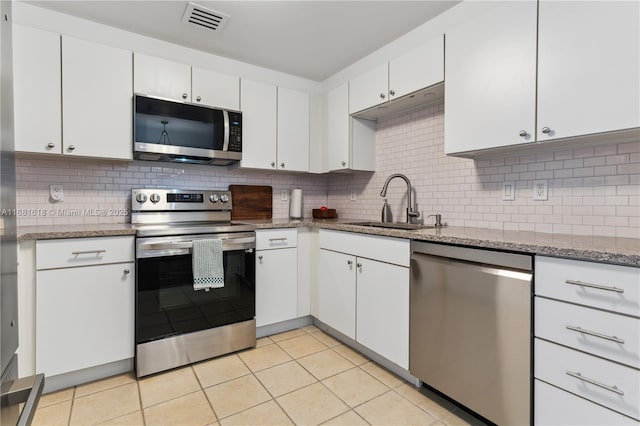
585 83
59 73
168 79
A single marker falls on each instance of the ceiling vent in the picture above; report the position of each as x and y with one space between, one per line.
204 18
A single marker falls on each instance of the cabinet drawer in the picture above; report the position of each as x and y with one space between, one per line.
83 251
617 385
612 336
276 238
555 407
611 287
384 249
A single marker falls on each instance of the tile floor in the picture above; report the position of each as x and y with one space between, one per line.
299 377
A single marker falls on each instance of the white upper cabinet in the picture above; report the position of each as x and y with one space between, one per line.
337 114
420 67
369 89
490 79
215 89
36 65
293 130
588 67
161 77
96 101
258 102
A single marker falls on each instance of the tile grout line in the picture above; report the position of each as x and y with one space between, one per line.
144 417
213 410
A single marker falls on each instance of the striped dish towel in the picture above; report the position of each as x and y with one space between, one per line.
208 271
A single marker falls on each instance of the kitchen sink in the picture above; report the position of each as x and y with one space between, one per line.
393 225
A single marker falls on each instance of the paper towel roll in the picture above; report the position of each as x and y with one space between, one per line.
295 207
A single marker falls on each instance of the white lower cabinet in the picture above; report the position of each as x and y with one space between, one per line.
337 291
84 315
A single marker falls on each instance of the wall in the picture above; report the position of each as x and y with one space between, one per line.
106 185
592 191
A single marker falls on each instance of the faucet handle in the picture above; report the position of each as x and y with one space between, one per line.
438 217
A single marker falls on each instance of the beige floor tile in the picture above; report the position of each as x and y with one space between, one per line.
461 418
391 408
132 419
104 405
428 401
55 397
220 370
237 395
287 335
285 378
350 354
264 414
325 364
311 329
355 386
264 357
302 346
350 418
311 405
104 384
53 415
188 410
166 386
264 341
326 339
383 375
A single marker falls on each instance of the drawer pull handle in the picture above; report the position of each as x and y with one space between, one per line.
97 252
595 334
579 376
598 286
278 239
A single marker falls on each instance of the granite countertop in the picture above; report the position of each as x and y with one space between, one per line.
619 251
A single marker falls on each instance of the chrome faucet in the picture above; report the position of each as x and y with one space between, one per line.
383 193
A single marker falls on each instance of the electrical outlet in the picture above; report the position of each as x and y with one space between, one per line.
284 195
55 192
508 191
540 190
353 195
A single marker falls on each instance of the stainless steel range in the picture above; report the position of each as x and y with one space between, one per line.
175 324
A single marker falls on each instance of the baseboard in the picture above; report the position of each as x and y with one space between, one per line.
281 327
86 375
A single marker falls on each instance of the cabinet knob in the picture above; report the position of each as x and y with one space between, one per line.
344 163
273 164
126 272
546 130
185 95
51 145
260 258
349 262
282 165
198 99
359 265
392 92
523 133
71 147
382 96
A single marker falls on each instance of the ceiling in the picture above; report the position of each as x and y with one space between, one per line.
312 39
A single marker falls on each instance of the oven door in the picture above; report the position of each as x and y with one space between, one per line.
166 303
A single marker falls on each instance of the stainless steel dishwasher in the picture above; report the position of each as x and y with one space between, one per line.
470 328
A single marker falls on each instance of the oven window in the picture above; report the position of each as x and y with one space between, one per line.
168 305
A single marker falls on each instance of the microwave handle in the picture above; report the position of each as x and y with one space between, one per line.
225 146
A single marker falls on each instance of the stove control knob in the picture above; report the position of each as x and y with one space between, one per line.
213 198
224 198
154 198
141 197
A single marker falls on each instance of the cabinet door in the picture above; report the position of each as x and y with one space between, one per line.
419 68
276 285
383 309
490 75
369 89
36 90
337 291
588 67
84 317
215 89
96 100
258 105
293 130
161 77
337 113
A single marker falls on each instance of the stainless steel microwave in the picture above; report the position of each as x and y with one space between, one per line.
180 132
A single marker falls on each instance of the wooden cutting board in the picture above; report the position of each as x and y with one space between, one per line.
251 202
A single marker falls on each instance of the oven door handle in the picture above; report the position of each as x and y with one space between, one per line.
227 245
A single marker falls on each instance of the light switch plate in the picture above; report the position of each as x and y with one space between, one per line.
353 195
540 190
284 195
508 191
